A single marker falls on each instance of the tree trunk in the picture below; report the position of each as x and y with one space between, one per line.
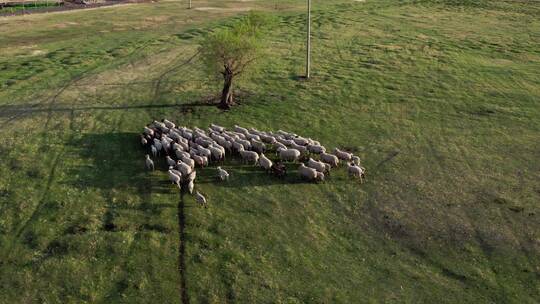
227 99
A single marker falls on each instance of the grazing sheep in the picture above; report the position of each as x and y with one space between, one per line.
317 165
190 187
330 159
201 199
170 161
320 176
240 129
184 168
301 141
317 149
144 142
356 160
148 131
258 146
217 128
175 179
245 143
302 149
181 154
171 168
199 160
268 139
278 145
149 163
191 177
356 171
307 173
216 153
188 161
250 136
249 156
265 162
154 151
288 154
158 145
342 154
222 174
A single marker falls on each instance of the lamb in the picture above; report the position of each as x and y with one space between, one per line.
307 173
356 171
317 165
170 161
317 149
149 163
288 154
330 159
342 154
249 156
222 174
175 179
201 199
265 162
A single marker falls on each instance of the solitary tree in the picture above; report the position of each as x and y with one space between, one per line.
228 52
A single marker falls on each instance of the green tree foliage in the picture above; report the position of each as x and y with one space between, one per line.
229 52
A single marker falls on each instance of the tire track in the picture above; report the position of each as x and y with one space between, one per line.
182 250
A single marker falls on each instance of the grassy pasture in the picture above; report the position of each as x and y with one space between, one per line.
440 99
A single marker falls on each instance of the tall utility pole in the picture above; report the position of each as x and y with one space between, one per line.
308 47
189 4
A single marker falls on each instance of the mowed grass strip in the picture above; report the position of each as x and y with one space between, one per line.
440 99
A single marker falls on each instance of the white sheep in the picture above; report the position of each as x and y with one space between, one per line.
301 141
171 168
342 154
317 165
307 173
356 171
175 179
217 128
158 145
184 168
240 129
265 162
288 154
258 146
201 199
249 156
169 124
356 160
222 174
149 163
199 160
188 161
154 151
148 131
191 177
144 142
330 159
170 161
190 187
317 149
302 149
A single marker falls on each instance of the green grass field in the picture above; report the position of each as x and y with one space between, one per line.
441 99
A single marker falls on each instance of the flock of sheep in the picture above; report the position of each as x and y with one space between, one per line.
185 149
